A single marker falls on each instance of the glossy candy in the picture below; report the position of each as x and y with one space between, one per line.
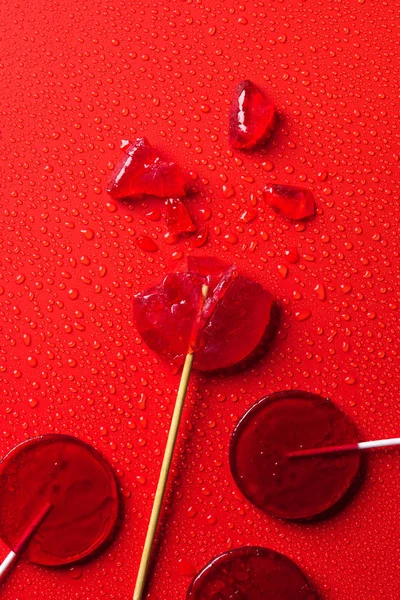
76 480
142 172
251 573
178 218
234 320
293 488
252 117
294 203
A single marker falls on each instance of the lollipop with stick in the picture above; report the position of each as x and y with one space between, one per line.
59 501
209 318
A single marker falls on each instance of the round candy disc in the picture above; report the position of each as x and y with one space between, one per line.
251 573
293 488
76 480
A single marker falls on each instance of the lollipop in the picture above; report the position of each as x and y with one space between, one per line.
273 480
251 573
209 317
58 500
237 315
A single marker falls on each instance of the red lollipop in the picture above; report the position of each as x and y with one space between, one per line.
293 488
235 318
251 573
75 481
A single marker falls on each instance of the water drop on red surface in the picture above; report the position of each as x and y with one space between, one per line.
186 568
292 255
88 233
201 237
235 317
293 488
251 573
252 117
320 291
178 218
146 244
249 215
303 315
283 271
142 171
76 480
292 202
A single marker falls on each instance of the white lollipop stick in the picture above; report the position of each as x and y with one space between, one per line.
345 448
26 536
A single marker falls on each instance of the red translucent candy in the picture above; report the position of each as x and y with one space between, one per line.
252 117
76 480
292 202
233 322
178 218
251 573
142 171
293 488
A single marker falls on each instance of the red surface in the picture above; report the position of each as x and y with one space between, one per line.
286 487
78 485
75 79
250 573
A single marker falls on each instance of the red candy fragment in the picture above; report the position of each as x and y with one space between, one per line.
178 218
292 202
79 484
252 117
293 488
143 172
233 321
251 573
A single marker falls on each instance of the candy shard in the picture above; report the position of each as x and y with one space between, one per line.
292 202
142 171
233 322
178 218
252 117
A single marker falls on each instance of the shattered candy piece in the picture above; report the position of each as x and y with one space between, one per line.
142 172
178 218
252 117
292 202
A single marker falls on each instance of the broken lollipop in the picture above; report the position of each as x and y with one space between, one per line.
59 501
237 315
209 317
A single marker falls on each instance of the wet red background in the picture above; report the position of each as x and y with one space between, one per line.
76 78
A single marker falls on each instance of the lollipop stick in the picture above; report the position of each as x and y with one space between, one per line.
26 536
345 448
165 468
